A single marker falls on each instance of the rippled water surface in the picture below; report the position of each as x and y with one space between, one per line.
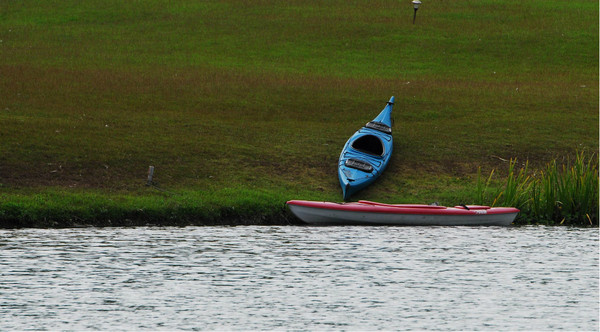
306 278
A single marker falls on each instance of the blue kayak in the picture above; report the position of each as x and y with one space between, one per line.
366 153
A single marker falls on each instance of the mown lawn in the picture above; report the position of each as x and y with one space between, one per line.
260 96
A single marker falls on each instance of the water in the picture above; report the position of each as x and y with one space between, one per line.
300 278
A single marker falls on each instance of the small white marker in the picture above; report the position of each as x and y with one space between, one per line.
150 175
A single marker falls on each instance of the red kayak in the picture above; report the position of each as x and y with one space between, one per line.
366 212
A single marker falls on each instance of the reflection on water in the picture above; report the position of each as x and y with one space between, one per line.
291 277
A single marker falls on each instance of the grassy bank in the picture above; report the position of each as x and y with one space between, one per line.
60 208
247 104
559 195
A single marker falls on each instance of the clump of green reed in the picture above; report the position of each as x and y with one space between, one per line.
561 194
568 193
517 189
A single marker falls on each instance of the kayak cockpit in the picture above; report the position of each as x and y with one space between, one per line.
369 144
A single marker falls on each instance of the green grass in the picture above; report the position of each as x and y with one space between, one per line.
260 96
65 208
566 194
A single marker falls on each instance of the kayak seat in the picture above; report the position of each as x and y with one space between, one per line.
359 164
369 144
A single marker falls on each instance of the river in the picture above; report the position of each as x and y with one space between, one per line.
300 278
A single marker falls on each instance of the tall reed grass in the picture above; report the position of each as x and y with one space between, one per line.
565 194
